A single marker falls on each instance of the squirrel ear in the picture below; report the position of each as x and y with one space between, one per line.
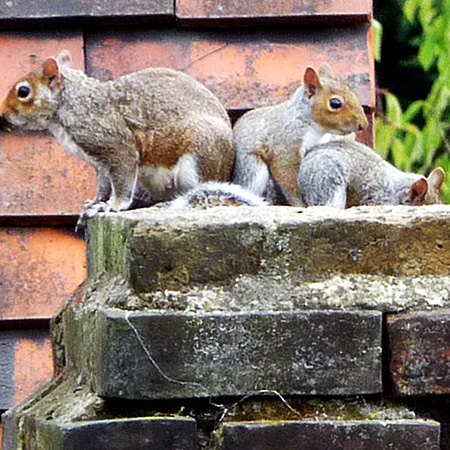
50 68
419 188
436 178
325 71
64 59
311 81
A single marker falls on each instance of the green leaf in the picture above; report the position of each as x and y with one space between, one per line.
410 9
413 109
377 39
427 54
414 143
383 138
393 110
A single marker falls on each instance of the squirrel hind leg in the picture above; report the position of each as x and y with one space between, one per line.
253 174
186 173
321 183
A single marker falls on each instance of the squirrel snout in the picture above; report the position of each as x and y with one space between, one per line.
4 124
363 123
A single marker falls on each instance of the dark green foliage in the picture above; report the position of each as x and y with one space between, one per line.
414 130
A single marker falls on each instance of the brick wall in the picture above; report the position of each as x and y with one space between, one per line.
249 53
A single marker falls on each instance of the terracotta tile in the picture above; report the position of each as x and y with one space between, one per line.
26 364
33 367
355 10
23 9
39 268
21 52
246 69
38 176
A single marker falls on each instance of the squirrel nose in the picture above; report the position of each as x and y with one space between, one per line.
363 124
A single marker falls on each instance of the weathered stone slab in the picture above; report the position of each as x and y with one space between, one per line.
157 433
420 346
336 435
67 416
156 249
162 355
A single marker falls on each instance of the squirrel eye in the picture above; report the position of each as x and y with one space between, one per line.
23 92
335 103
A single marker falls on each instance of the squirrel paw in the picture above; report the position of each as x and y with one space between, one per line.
91 209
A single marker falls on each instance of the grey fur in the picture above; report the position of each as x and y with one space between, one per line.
150 135
341 172
270 141
207 195
271 126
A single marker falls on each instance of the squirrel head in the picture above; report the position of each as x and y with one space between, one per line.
425 191
334 106
33 100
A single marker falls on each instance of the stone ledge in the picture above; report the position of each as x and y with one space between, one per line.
277 293
217 354
155 249
373 435
420 347
68 416
157 433
65 414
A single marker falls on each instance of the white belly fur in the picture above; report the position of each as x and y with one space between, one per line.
164 184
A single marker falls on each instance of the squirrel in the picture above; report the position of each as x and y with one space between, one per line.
210 194
342 174
271 140
150 135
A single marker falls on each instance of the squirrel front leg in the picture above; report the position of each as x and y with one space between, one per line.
92 207
123 176
103 188
116 184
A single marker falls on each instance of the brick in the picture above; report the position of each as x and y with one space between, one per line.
26 364
39 177
336 435
223 246
22 10
420 347
244 70
219 354
157 433
238 11
39 267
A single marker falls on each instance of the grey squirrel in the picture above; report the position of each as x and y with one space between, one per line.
345 173
150 135
268 139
